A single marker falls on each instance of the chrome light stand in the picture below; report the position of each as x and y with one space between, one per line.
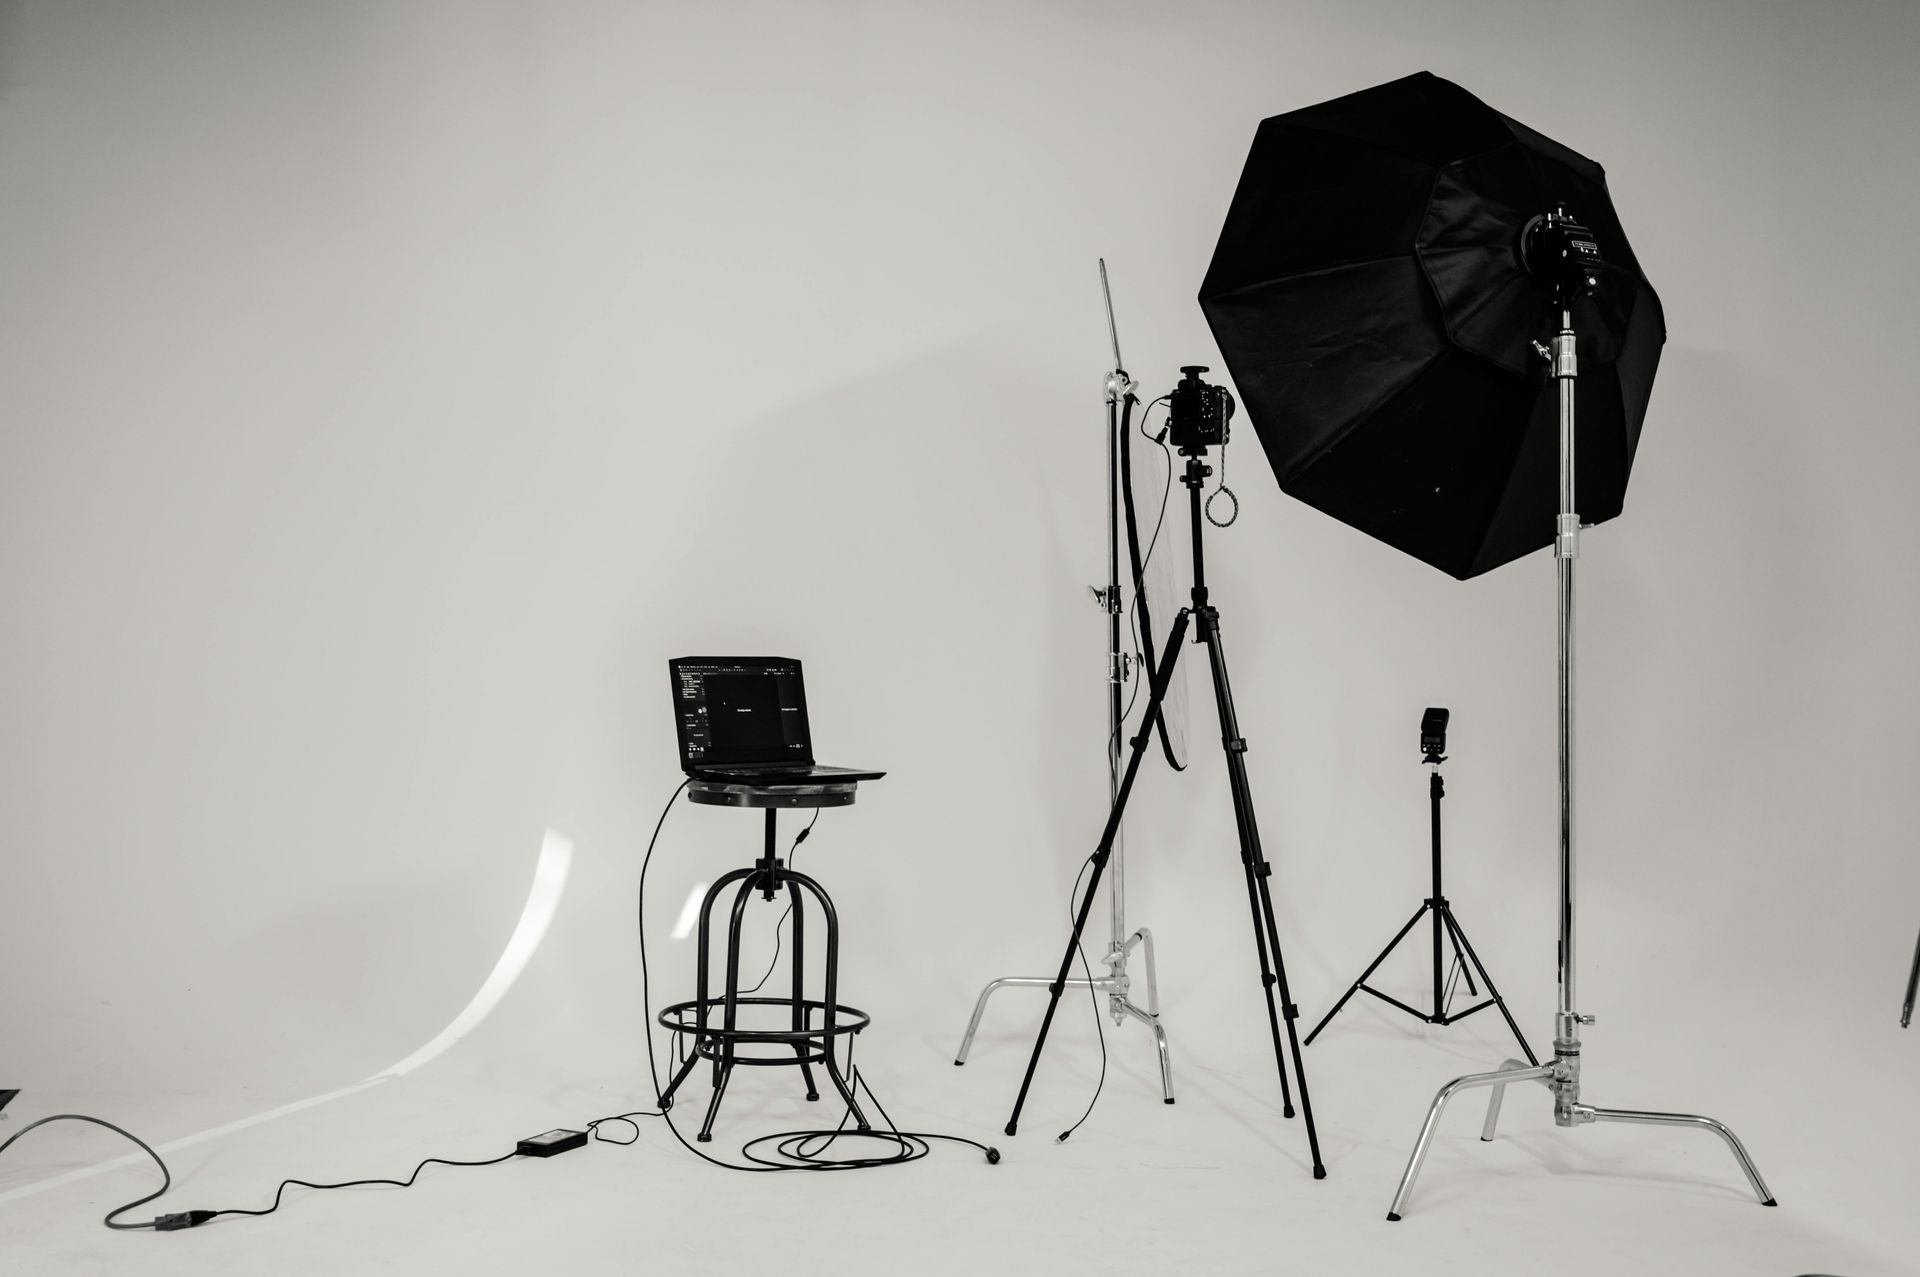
1117 983
1562 1075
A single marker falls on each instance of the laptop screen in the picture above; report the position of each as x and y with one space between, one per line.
740 709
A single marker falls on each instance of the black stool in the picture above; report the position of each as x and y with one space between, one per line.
813 1024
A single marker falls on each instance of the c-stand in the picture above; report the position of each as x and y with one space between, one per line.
1253 863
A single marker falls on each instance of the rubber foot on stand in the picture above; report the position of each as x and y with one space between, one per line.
1012 1128
704 1139
1168 1100
1770 1202
1392 1218
813 1095
1287 1111
1319 1172
958 1063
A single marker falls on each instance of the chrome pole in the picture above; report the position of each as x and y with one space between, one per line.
1116 983
1562 1077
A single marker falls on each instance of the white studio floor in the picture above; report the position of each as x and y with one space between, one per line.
1217 1183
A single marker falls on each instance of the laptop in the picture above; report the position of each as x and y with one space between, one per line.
743 721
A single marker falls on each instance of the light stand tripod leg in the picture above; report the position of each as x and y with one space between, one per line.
1466 969
1151 1016
1447 1092
1460 938
1101 854
1355 987
1639 1118
980 1006
1499 1093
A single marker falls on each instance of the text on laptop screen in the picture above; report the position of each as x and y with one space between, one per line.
742 712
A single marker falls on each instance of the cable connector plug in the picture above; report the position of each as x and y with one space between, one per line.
993 1156
184 1219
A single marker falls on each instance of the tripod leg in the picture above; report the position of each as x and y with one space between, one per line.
1466 969
1355 987
1101 855
1913 986
1293 1033
1258 871
1267 980
1460 938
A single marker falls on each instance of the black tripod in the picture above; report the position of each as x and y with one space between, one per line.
1444 925
1266 937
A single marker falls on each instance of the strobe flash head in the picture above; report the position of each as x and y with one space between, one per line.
1197 413
1433 735
1561 253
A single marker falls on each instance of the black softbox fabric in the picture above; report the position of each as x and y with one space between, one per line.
1368 297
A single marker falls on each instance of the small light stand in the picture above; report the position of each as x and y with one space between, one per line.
1564 254
1446 928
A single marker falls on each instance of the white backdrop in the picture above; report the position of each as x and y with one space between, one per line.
389 390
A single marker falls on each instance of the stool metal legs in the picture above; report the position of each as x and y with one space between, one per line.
810 1043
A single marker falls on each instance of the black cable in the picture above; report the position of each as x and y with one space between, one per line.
778 926
1073 911
203 1216
166 1179
195 1218
1121 424
646 1002
1133 612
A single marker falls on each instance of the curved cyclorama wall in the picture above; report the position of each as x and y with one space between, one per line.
391 392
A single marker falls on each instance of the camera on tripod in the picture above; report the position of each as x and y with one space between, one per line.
1197 413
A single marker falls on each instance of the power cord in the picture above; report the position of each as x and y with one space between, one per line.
166 1178
194 1218
779 927
1073 910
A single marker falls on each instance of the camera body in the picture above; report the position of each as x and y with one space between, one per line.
1197 413
1433 735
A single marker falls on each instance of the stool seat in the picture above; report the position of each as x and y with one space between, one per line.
710 793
